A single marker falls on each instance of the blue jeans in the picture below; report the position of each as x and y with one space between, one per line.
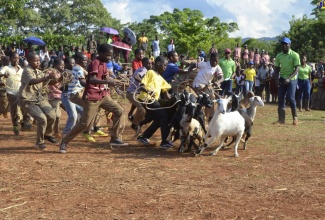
226 87
72 110
287 91
239 88
304 89
248 86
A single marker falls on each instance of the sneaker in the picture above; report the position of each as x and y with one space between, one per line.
143 140
63 147
51 139
100 133
88 137
117 142
41 147
16 130
166 145
130 118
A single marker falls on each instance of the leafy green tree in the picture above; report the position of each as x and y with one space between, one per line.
191 30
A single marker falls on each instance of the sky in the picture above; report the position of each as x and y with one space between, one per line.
255 18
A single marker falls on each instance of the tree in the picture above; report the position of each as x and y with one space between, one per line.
9 12
190 29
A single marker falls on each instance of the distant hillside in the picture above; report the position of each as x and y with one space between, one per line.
260 39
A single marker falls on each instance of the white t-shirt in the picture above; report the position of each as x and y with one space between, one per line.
14 78
155 45
238 78
206 74
170 47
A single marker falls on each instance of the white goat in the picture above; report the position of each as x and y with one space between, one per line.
254 102
223 125
190 131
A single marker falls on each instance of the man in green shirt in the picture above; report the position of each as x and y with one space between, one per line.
228 67
287 65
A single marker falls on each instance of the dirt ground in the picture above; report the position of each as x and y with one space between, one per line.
281 175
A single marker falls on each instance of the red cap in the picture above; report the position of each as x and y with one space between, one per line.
227 50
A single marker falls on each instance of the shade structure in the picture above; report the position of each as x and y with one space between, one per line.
109 30
130 34
121 45
34 41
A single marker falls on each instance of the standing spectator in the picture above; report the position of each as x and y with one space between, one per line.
91 44
273 85
171 46
245 54
13 73
44 54
237 53
71 52
250 76
263 75
143 43
34 101
314 96
287 66
155 47
257 59
228 67
240 81
252 54
304 84
213 50
97 96
60 53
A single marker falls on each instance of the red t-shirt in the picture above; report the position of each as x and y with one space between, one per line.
97 92
136 64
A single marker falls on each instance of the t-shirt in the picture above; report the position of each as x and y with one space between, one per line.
228 67
96 92
304 72
136 64
206 74
237 52
257 58
251 55
287 62
170 71
74 85
240 80
170 47
155 45
262 74
133 83
245 53
250 74
153 82
14 78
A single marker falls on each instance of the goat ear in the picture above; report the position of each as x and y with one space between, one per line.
229 98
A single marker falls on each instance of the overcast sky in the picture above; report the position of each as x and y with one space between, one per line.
255 18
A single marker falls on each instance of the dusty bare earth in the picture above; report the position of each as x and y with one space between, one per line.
281 175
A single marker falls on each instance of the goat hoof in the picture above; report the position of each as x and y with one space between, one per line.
236 155
212 153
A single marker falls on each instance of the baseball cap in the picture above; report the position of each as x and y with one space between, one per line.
227 50
286 40
251 63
